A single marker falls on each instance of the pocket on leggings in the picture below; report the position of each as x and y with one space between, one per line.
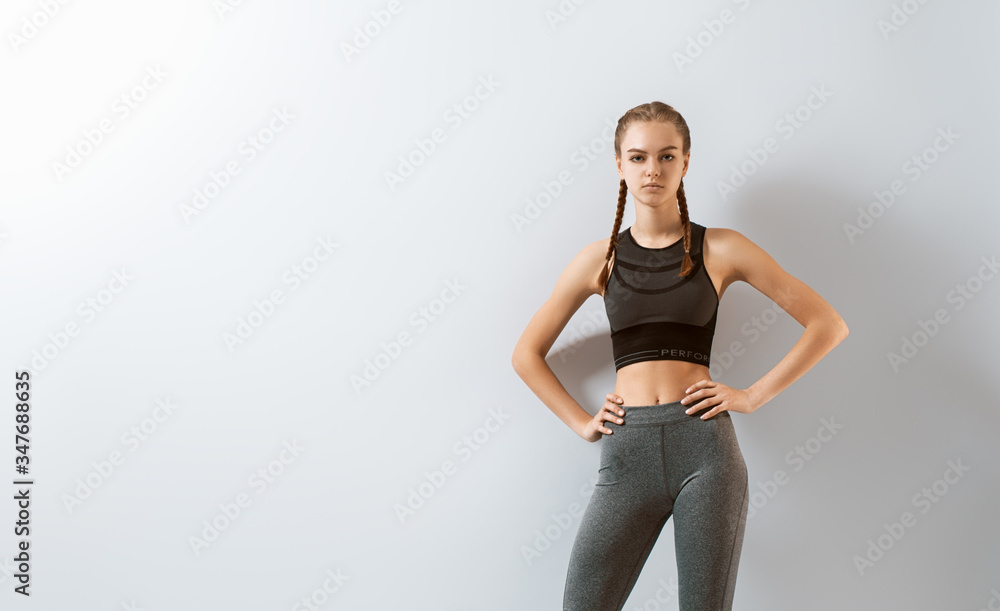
609 471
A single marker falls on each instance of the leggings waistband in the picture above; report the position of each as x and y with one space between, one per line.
660 413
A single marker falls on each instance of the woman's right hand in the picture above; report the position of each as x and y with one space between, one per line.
611 410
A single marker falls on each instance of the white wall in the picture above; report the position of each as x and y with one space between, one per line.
439 256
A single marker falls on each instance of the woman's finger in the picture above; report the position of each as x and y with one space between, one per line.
712 412
699 385
697 395
614 408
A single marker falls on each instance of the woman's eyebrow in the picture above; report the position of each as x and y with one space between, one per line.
666 148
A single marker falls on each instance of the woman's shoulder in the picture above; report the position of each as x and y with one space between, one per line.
594 257
723 237
598 249
729 245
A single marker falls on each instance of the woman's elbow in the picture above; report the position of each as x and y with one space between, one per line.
518 360
515 361
840 329
832 329
524 360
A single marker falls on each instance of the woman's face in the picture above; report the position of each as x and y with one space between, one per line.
651 153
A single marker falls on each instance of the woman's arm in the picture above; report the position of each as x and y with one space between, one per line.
824 327
576 283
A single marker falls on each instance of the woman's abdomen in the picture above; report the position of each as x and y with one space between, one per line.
657 381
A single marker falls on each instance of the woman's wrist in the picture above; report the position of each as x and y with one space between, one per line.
580 424
756 397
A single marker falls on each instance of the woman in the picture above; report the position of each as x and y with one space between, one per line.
668 442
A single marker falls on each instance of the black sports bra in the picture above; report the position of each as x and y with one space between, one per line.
654 313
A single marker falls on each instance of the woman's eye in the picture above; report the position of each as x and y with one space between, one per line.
634 157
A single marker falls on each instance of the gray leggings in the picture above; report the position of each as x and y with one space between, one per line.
662 462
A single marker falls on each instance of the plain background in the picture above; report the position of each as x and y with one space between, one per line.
459 254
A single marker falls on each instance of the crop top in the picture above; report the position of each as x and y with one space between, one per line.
654 313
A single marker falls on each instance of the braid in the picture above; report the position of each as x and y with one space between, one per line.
683 208
613 244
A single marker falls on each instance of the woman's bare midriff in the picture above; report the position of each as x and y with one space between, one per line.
656 382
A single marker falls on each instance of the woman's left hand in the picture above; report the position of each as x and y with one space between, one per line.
707 393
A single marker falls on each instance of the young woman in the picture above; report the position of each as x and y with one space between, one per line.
668 442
